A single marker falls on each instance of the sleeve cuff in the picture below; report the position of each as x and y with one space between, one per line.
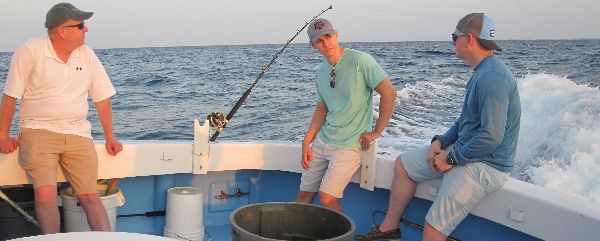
438 138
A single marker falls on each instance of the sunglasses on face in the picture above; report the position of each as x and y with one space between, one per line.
332 82
455 36
79 25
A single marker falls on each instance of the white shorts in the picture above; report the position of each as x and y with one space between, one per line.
462 187
331 169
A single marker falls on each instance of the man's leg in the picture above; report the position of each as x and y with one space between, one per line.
330 201
462 188
46 209
80 165
38 155
403 190
312 177
343 163
94 211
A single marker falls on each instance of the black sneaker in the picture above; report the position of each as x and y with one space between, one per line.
375 234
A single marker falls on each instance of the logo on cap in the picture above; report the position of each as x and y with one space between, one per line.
319 25
492 33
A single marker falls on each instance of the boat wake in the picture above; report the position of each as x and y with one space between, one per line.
559 142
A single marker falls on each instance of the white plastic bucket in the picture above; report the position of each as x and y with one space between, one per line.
75 219
184 218
185 236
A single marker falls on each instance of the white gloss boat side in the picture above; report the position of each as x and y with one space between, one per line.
534 210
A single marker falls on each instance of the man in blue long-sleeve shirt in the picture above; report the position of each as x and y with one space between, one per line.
476 155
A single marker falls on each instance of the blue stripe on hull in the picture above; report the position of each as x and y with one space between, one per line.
145 194
472 228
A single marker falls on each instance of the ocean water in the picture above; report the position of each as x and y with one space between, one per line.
162 90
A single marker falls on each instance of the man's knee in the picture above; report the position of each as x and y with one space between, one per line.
45 194
305 197
328 200
87 199
399 167
431 233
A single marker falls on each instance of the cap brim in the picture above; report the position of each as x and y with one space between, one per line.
489 44
321 33
85 15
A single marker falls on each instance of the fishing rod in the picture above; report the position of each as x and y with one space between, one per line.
28 217
216 119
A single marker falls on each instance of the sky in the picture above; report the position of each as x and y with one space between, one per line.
146 23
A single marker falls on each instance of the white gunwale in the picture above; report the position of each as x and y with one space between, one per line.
546 214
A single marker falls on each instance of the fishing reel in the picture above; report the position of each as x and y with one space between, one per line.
217 119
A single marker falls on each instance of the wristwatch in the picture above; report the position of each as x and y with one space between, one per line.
451 160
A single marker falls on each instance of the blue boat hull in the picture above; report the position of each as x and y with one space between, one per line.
147 194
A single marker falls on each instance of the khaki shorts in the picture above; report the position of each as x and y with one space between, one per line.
462 187
330 170
41 151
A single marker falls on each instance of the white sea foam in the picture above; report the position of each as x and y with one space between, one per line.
559 142
422 110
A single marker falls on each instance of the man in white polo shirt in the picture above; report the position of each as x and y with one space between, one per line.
53 77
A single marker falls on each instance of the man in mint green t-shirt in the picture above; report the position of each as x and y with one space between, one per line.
341 125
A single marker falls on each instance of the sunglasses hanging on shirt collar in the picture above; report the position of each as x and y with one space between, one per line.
332 81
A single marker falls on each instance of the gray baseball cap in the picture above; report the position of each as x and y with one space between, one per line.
62 12
318 28
482 27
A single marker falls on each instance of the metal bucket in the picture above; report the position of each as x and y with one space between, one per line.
290 221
